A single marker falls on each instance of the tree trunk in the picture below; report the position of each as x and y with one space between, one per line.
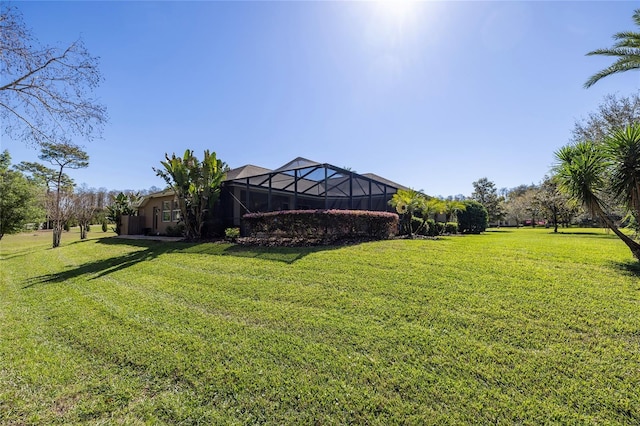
57 220
57 234
83 231
633 245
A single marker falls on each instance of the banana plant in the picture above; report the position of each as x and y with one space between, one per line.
197 187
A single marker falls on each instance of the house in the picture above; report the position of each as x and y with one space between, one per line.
301 184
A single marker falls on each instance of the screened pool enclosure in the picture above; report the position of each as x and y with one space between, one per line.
300 185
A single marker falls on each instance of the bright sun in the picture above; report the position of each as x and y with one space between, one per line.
395 10
394 18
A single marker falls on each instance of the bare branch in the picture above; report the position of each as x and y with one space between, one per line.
47 97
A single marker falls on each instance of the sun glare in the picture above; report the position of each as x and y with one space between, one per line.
396 11
393 19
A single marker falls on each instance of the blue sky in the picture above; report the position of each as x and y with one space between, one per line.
433 95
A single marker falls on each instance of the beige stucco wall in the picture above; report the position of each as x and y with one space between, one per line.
153 215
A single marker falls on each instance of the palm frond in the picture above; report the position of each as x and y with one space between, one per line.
627 49
579 171
621 65
627 39
626 52
623 148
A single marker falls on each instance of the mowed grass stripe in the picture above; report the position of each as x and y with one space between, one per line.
499 327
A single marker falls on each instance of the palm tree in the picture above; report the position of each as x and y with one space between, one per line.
586 171
451 209
197 187
408 202
626 49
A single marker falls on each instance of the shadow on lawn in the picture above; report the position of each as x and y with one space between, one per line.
631 267
599 234
153 249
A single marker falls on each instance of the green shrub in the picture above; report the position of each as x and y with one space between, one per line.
104 226
431 230
232 234
418 225
474 219
67 227
451 228
322 225
175 231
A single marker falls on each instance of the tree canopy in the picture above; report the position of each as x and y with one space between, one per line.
46 92
18 198
197 186
590 172
485 192
63 156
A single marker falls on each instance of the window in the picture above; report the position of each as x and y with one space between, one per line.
166 211
175 213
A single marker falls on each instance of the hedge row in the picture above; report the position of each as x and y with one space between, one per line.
432 228
321 225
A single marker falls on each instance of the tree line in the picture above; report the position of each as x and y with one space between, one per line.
44 196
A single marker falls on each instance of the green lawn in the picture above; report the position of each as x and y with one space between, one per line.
513 326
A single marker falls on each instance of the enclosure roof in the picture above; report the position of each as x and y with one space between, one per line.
298 163
384 180
246 171
304 176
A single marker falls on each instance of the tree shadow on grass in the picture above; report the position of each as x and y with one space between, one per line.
17 253
585 233
280 254
102 267
631 267
152 249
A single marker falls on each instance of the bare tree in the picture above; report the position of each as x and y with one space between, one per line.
45 93
84 208
62 155
614 113
516 208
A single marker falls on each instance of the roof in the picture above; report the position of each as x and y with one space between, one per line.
384 180
309 177
298 163
306 177
164 193
245 172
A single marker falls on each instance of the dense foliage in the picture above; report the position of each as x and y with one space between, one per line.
197 187
321 225
474 219
408 203
121 205
18 203
591 172
485 192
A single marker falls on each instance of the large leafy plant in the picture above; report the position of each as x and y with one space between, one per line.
197 187
600 175
121 205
